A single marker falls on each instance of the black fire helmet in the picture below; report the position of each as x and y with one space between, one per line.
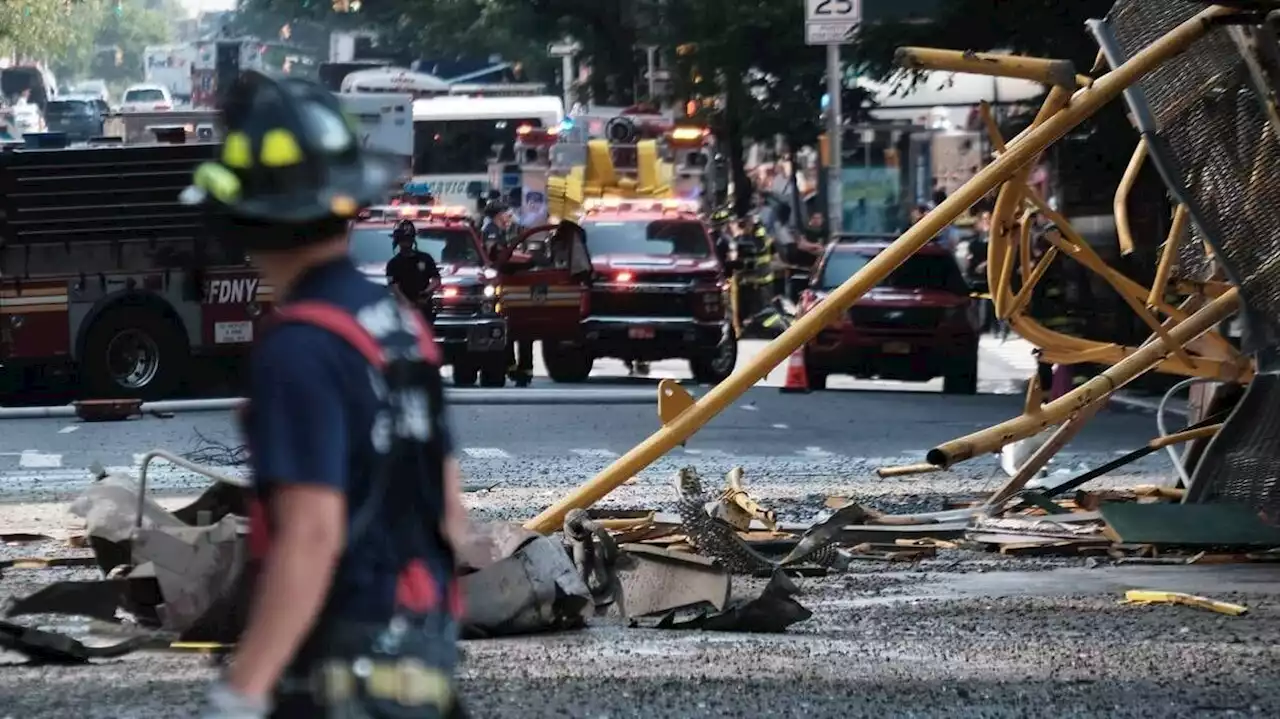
290 158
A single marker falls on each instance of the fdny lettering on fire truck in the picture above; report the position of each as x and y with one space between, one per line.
231 291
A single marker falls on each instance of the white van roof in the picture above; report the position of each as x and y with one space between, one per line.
547 108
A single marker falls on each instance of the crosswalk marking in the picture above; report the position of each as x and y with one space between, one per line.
705 452
69 429
603 453
34 459
486 453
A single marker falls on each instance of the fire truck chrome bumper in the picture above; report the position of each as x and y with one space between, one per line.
679 336
475 335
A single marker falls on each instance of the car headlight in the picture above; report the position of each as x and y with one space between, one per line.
490 291
490 273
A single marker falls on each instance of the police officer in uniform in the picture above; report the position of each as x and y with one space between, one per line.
357 495
413 274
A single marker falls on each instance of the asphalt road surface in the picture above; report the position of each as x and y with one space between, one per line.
963 635
835 435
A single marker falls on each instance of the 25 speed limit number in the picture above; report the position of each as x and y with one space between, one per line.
833 10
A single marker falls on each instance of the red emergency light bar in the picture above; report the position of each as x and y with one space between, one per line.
530 135
414 212
612 204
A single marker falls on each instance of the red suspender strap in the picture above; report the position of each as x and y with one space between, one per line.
341 323
336 320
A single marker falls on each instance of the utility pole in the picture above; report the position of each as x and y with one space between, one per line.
835 120
565 50
651 67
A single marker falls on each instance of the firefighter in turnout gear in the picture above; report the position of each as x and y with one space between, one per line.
497 230
413 274
357 496
756 289
498 233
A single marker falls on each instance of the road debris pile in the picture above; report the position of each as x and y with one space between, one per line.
178 578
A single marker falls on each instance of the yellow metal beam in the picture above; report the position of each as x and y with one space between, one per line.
1121 203
1160 285
1083 105
992 439
1047 72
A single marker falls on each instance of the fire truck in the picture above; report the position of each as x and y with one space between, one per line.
658 287
470 325
105 277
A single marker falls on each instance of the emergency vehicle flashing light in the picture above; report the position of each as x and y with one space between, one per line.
416 212
530 135
688 134
613 204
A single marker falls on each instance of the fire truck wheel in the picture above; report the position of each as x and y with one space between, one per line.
963 378
494 373
715 368
133 353
465 373
566 365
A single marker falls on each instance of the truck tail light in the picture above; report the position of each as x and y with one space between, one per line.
624 277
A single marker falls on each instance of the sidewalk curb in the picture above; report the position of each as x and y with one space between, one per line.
1129 401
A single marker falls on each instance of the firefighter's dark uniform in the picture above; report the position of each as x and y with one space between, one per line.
758 274
344 388
412 272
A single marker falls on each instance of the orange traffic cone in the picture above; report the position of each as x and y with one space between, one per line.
797 375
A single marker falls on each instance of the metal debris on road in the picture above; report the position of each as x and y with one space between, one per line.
1144 597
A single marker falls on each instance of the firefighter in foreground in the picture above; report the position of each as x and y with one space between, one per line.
359 497
413 274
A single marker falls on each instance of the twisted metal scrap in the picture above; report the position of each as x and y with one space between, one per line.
595 554
720 540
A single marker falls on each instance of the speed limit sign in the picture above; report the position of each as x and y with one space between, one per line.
833 11
831 22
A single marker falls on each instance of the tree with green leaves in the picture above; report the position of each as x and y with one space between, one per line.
126 31
46 30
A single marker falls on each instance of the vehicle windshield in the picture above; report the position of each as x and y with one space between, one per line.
67 108
372 246
680 238
919 272
144 95
458 147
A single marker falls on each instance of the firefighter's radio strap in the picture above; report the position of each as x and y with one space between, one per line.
385 669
